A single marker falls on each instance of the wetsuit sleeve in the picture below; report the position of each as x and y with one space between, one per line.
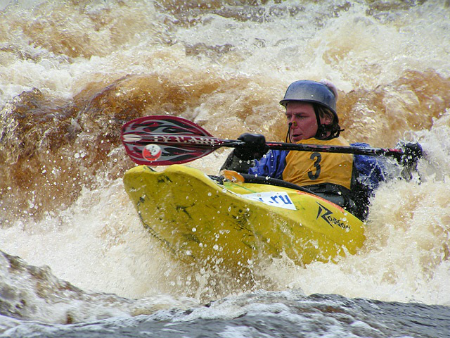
372 170
236 164
271 165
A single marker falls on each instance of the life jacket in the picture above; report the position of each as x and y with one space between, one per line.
368 172
313 168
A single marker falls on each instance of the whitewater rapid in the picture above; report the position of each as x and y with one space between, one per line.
71 73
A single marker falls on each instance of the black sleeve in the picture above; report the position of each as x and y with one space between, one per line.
236 164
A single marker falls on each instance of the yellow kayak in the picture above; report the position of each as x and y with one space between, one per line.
234 224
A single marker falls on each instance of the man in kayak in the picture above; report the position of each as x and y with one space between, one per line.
344 179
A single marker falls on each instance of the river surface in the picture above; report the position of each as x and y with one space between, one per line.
75 260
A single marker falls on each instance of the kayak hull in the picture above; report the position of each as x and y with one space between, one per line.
236 224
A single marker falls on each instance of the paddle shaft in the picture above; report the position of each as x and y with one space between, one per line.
215 143
175 140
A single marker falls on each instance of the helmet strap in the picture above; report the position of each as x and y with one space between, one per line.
324 129
288 135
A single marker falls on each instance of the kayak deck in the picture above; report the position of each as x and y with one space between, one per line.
235 224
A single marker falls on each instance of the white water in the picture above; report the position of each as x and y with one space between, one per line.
391 67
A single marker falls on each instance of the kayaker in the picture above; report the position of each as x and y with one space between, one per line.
345 179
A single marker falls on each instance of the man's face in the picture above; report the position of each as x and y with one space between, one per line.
303 119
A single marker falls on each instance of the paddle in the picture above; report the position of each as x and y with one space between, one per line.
166 140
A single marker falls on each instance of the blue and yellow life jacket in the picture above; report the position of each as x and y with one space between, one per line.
310 168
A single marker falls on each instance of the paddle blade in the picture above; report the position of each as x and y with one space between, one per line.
162 125
165 140
168 154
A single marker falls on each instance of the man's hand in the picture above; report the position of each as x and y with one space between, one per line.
254 148
412 152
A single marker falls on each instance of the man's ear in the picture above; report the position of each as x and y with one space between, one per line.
326 120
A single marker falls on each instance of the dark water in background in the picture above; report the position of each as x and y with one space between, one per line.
75 258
